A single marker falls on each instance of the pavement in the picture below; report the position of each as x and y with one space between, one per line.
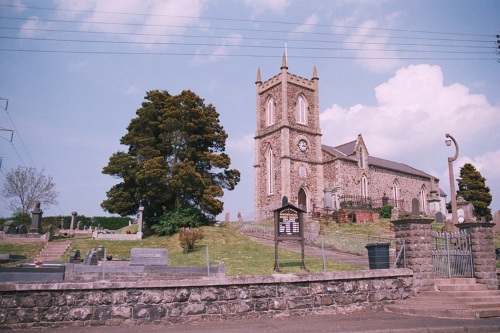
362 321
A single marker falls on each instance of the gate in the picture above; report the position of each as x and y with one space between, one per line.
451 255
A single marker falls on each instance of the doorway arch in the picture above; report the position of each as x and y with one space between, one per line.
302 199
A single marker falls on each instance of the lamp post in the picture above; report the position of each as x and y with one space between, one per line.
454 217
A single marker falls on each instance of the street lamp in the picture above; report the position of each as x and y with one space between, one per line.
454 217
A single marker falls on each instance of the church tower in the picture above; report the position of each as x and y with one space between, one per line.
288 155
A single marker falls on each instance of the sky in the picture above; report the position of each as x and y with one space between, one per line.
401 73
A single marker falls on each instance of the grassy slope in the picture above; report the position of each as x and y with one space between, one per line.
225 246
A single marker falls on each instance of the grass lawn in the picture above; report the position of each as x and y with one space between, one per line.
241 255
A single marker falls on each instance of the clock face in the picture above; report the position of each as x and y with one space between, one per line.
303 145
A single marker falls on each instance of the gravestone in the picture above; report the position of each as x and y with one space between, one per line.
440 217
226 217
36 219
415 207
73 218
395 214
145 256
140 222
91 257
100 252
10 227
75 256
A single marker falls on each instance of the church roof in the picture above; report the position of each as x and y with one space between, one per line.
346 151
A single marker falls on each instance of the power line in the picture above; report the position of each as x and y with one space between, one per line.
247 21
241 55
243 46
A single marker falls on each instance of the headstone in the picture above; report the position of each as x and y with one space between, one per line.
36 219
415 207
226 217
73 218
140 222
145 256
239 217
100 252
21 229
91 257
10 227
440 217
395 214
78 225
74 257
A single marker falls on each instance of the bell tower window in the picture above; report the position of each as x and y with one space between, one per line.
301 110
270 171
270 113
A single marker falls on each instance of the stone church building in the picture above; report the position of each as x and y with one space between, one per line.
292 161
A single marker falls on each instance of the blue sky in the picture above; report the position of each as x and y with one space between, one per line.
401 73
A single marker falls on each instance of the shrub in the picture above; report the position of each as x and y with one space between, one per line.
172 221
386 211
189 236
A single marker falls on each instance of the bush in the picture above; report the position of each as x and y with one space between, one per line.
172 221
386 211
189 236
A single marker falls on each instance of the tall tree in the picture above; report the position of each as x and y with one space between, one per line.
175 158
472 187
28 185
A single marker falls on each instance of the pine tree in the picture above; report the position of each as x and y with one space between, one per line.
175 159
472 187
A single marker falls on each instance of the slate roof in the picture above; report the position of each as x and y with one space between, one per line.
346 150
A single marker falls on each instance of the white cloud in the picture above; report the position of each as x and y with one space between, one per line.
220 51
414 109
242 145
308 25
34 27
146 21
371 48
260 6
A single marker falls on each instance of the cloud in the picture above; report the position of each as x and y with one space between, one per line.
308 24
150 21
260 6
219 52
34 27
241 145
414 109
371 48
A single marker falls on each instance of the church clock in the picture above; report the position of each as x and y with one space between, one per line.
303 145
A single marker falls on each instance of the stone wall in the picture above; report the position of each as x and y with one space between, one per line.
52 305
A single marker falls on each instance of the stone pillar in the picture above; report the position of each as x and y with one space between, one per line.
36 220
417 236
139 222
483 252
73 218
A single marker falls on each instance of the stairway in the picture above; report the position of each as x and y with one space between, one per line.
53 250
459 298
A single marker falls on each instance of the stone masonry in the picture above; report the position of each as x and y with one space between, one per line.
417 234
57 305
483 252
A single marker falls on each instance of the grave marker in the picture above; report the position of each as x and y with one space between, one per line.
145 256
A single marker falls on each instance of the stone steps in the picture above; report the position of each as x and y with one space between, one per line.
452 298
53 250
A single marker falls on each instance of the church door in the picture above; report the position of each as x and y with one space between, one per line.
302 198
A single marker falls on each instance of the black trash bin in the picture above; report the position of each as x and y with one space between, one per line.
378 255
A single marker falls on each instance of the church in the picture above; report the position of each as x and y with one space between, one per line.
292 161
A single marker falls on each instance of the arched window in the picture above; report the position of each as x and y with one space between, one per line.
395 193
270 171
423 200
301 110
302 199
364 186
270 112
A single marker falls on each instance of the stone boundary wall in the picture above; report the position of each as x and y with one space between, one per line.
104 236
23 238
111 303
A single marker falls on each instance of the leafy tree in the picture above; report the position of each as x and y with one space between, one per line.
472 187
175 159
28 185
